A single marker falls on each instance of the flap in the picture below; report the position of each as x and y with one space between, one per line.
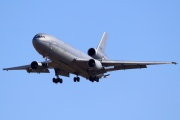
41 70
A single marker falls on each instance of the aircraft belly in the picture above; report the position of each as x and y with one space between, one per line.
80 69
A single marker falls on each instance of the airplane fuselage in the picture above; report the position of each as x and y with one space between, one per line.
60 53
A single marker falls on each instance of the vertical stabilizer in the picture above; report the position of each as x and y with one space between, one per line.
102 44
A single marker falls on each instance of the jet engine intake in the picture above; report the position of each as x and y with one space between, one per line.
35 65
94 53
94 64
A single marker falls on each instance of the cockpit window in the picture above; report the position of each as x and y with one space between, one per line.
39 36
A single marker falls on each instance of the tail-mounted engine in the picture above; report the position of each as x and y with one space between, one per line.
94 53
94 64
35 65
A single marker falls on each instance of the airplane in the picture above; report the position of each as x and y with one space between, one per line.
66 60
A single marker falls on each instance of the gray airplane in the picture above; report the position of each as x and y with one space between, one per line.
66 60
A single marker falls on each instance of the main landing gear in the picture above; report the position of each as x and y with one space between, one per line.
76 79
56 80
92 79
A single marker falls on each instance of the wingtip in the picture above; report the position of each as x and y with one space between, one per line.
5 69
174 63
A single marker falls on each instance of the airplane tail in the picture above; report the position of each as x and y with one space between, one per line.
99 52
102 44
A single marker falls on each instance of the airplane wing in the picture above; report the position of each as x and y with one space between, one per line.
108 63
111 65
51 65
123 65
30 70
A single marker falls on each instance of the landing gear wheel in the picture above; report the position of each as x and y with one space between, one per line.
91 79
97 79
78 79
55 80
75 79
60 80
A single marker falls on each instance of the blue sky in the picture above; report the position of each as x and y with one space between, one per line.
142 30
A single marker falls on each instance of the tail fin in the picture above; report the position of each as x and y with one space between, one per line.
98 53
102 44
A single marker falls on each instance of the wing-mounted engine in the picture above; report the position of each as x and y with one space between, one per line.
95 64
94 53
38 65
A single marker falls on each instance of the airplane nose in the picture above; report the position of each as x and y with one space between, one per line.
36 41
39 41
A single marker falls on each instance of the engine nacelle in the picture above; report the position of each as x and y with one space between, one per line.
94 53
35 65
94 64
